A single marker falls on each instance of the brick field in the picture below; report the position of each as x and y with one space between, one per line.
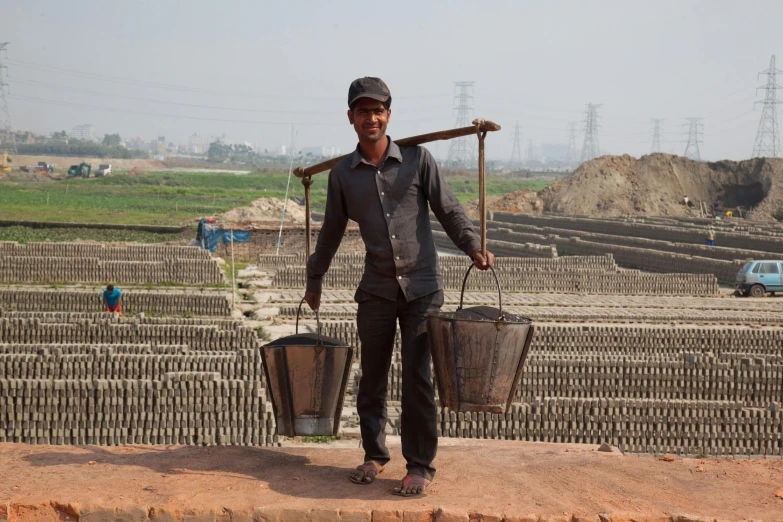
649 363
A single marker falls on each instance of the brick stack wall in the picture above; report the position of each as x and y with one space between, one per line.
108 381
701 250
133 301
97 263
530 280
675 234
641 258
686 390
263 241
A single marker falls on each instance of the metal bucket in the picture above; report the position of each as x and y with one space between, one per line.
478 354
307 375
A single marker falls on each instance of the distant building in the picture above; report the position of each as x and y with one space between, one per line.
320 152
84 132
198 144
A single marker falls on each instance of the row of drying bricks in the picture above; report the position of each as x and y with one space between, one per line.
621 339
166 303
101 251
184 408
197 337
567 314
548 375
710 428
211 411
596 263
757 381
37 318
585 281
94 270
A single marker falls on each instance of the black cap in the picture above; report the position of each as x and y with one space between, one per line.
368 87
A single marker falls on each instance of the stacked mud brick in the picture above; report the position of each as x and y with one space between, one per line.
571 314
170 303
649 244
97 379
198 336
600 263
692 249
683 427
97 263
635 257
591 276
682 233
696 390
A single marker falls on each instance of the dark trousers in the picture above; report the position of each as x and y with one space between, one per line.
377 324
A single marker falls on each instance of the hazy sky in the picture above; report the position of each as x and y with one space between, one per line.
251 69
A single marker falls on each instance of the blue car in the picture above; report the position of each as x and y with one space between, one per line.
756 278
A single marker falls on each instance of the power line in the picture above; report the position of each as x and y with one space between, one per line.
695 129
656 141
158 114
158 85
185 117
5 114
590 147
516 151
462 151
191 105
767 140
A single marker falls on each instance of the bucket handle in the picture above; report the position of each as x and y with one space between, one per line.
317 321
497 282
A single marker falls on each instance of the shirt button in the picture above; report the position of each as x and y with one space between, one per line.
394 237
398 258
387 215
383 193
399 277
379 172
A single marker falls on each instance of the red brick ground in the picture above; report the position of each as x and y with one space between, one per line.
477 481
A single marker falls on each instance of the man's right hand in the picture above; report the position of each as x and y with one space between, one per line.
313 299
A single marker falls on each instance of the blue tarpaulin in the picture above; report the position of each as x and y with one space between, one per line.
210 235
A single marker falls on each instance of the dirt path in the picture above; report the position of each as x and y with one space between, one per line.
564 481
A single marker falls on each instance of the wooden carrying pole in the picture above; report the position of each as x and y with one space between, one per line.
480 126
450 134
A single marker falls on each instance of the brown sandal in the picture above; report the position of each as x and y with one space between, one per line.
412 480
369 470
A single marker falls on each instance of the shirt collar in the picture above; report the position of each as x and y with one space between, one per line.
392 152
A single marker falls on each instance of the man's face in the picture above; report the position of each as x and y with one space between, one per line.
369 119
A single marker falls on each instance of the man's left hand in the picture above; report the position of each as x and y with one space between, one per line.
480 262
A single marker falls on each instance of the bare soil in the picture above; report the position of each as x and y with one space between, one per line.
266 209
520 201
655 185
501 477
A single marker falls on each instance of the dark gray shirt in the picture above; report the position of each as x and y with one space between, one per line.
389 202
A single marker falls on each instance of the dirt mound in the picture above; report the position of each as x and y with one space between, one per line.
266 209
655 185
521 201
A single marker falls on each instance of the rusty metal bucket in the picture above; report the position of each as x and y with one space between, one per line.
307 375
478 354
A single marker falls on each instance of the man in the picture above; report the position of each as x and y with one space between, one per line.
711 236
386 190
112 299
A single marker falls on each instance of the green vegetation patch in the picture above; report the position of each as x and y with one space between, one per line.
28 234
173 198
